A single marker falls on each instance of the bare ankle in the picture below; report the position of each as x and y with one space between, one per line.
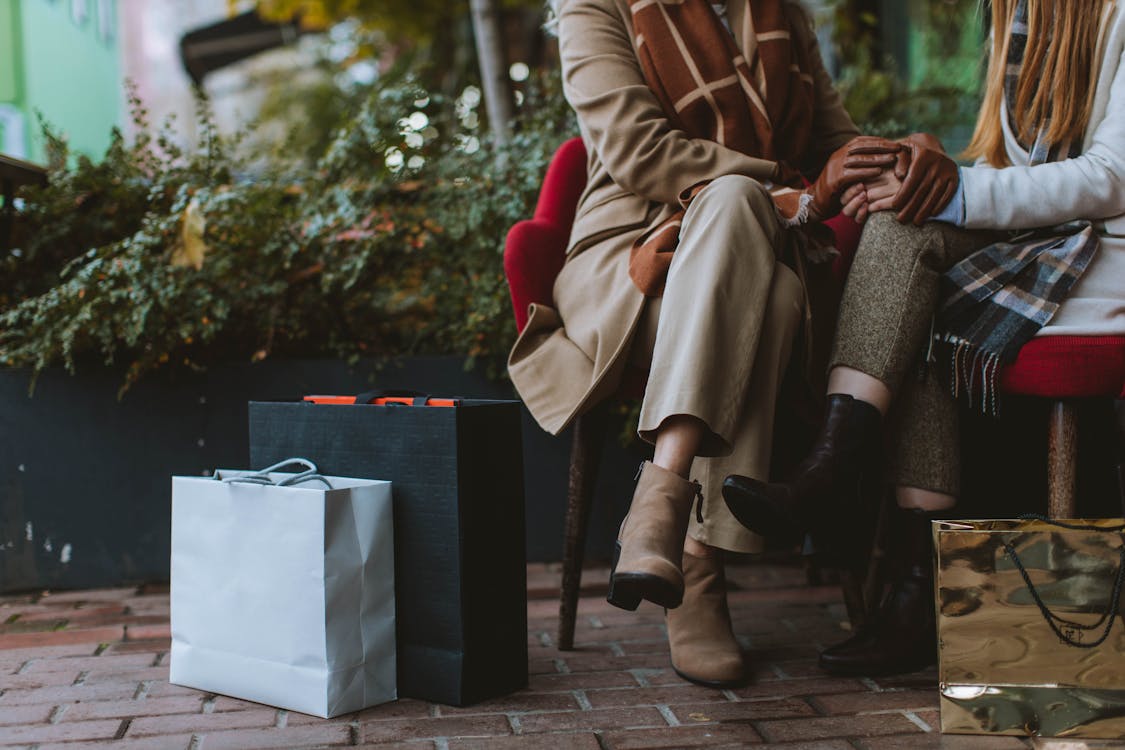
847 381
677 442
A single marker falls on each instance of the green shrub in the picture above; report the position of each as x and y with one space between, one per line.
390 244
373 227
942 42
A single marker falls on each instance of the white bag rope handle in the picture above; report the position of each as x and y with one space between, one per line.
310 474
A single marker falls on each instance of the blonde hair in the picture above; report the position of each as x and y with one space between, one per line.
1056 81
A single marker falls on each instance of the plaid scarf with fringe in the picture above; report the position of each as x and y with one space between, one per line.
762 106
998 298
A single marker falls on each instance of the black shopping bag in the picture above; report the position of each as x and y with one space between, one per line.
460 565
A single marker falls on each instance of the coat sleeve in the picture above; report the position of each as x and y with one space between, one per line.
623 119
832 125
1090 186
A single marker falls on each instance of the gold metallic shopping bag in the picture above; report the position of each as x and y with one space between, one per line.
1028 631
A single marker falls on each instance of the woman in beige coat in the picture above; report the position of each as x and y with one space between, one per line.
696 117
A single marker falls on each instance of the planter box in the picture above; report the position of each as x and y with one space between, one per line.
85 479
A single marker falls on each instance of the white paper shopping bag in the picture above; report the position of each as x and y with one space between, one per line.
283 589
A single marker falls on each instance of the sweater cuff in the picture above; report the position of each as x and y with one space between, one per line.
954 211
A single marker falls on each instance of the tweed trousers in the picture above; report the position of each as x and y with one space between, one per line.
884 330
718 342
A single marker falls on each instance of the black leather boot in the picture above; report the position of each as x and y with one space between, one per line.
902 637
823 498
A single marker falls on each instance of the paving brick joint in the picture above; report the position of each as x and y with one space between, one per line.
89 669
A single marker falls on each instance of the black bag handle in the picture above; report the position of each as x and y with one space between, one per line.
1070 634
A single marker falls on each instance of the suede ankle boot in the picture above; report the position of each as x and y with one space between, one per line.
902 637
823 499
650 545
704 649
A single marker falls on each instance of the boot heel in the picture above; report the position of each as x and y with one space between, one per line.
621 596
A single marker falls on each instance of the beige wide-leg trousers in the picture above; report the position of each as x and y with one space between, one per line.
718 342
884 329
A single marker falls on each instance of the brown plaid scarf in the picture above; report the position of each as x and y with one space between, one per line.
762 107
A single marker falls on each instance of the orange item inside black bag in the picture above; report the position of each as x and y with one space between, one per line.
381 400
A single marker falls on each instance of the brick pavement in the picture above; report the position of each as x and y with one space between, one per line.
89 670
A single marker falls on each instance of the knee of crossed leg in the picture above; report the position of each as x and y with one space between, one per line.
737 192
739 223
884 238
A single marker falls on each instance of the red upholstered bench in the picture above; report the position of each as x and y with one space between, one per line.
1064 369
536 248
533 256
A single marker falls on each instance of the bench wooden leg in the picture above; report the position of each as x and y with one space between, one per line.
1062 460
585 459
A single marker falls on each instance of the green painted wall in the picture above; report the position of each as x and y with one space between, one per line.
67 68
9 52
12 133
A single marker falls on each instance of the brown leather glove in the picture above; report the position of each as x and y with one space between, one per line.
860 159
930 183
925 140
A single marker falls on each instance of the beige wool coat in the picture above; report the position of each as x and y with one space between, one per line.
572 354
